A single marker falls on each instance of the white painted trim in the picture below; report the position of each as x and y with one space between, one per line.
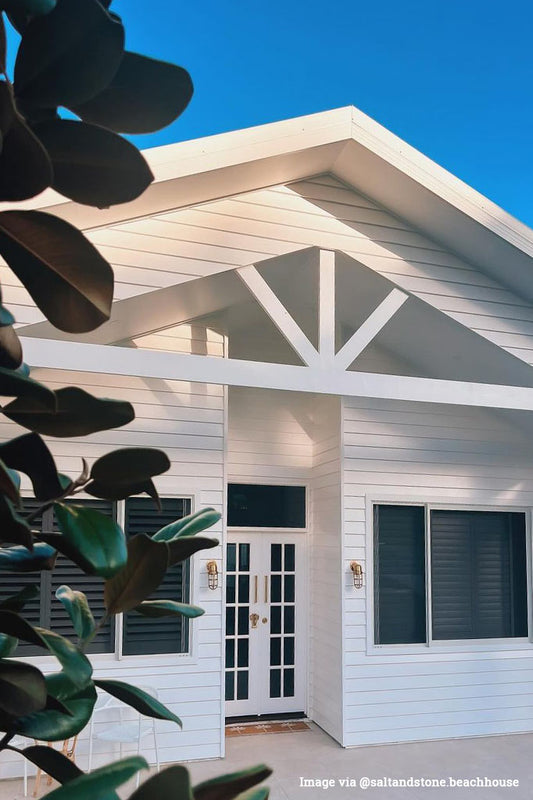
279 315
370 328
108 359
326 307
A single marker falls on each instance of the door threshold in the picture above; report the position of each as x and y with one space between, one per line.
254 719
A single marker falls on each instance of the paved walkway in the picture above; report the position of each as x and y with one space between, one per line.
313 756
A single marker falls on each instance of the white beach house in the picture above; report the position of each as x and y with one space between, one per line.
332 339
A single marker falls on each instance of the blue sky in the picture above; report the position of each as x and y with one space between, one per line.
454 78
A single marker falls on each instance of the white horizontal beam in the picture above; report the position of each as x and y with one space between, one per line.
279 315
108 359
370 328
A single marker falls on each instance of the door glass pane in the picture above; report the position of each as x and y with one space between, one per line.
275 558
275 683
288 650
237 621
282 611
289 557
275 589
289 588
275 619
275 651
288 683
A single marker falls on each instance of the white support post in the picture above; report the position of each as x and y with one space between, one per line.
279 315
326 307
370 328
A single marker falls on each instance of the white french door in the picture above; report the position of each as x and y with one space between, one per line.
265 623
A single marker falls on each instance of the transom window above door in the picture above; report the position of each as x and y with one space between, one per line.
442 575
260 506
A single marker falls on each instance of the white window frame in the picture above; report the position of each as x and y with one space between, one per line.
449 645
116 660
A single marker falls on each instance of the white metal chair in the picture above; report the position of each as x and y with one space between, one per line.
125 725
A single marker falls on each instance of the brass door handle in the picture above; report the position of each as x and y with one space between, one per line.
254 619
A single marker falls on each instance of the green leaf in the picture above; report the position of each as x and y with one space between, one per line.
16 602
168 608
97 538
69 55
189 525
77 607
8 645
172 782
64 273
182 549
53 762
20 559
94 785
22 688
33 8
29 454
93 165
143 573
10 346
226 787
76 666
144 96
9 483
13 527
138 699
127 471
55 726
17 384
25 168
6 317
78 413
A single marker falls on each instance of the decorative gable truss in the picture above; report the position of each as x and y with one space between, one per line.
325 370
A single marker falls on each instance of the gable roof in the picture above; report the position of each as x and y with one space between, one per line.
354 148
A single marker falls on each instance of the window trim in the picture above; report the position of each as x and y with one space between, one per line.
116 659
459 646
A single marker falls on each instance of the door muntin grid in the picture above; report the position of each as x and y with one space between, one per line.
237 673
282 620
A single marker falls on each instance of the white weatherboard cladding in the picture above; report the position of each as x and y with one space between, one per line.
460 457
187 421
176 246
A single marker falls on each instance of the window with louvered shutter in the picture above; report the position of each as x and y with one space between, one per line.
65 572
145 635
399 576
478 575
13 582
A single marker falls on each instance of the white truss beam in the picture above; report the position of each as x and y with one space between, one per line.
108 359
326 307
370 328
279 315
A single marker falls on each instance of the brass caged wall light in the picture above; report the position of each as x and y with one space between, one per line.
357 571
212 574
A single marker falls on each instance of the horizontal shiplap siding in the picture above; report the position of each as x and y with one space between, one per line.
187 421
424 452
177 246
325 633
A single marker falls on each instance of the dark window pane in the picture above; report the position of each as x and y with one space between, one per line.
230 685
275 619
242 653
478 574
288 650
242 685
244 557
144 635
242 628
230 588
275 558
231 558
289 588
275 589
251 506
230 652
230 622
275 651
244 588
289 619
288 683
289 557
399 579
275 683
